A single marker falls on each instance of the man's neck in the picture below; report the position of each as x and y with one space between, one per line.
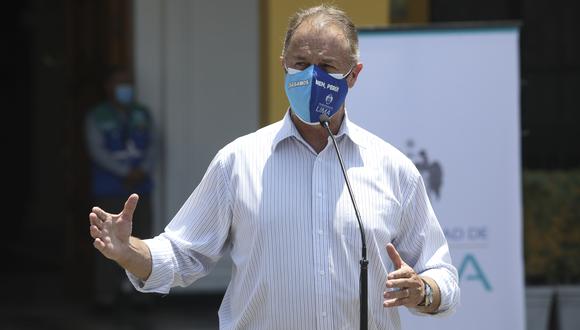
316 135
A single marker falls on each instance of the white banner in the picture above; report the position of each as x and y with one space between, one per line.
449 99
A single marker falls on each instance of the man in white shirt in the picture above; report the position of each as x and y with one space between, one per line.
275 200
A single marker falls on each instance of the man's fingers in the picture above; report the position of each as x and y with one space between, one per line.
396 302
397 294
102 215
394 255
130 206
95 221
95 232
98 244
405 272
402 283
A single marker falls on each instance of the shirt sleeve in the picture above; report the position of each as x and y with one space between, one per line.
422 245
195 239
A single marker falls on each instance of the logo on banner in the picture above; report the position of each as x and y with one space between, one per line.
431 170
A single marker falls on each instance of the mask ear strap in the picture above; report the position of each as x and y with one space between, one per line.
349 71
344 76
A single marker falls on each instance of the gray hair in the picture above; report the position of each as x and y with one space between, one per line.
326 13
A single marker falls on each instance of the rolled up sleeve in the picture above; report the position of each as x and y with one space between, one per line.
195 239
162 267
446 280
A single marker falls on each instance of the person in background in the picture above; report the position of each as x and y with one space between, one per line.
119 136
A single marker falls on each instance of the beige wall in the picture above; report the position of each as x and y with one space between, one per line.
274 18
196 66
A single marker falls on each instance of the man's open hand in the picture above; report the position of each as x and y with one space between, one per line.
112 231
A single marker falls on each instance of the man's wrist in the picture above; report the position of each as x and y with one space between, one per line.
127 252
432 307
136 258
427 295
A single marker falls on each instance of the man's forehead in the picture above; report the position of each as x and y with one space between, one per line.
319 37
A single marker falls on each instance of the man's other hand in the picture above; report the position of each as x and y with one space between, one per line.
409 288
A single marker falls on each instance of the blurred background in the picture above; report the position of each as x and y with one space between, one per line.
208 72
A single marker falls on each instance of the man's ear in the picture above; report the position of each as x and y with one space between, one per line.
282 63
351 80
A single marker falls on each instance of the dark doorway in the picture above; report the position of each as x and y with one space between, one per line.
54 55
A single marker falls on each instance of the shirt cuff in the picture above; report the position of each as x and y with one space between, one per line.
161 276
447 283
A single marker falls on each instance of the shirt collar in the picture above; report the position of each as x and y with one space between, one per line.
348 128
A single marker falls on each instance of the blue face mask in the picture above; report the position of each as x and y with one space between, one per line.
312 92
124 94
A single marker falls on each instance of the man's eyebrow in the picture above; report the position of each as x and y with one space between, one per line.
324 59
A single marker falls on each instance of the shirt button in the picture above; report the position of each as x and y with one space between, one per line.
319 195
323 314
321 273
320 232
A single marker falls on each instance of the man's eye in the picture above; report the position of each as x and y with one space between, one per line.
328 67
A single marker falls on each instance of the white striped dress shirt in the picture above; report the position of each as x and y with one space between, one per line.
284 214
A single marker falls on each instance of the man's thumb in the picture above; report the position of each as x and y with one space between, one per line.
130 206
394 255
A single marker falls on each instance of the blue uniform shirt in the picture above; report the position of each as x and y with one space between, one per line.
119 142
